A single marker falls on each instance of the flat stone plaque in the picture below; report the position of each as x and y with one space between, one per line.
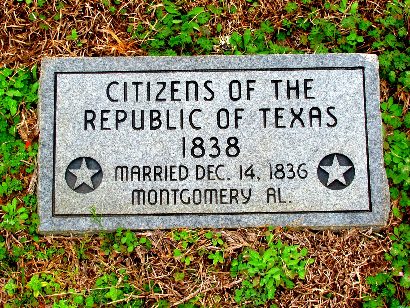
216 141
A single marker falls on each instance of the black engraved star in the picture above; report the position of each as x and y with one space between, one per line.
84 175
336 171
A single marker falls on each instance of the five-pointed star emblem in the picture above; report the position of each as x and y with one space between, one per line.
336 171
83 175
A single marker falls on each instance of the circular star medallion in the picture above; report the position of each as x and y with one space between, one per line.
336 171
83 175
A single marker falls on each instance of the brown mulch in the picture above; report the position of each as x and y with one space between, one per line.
25 42
343 259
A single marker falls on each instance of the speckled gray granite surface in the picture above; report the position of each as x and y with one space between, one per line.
216 141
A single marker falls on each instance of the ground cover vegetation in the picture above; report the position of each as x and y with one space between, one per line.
199 268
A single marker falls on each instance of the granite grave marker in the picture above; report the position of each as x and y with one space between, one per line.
215 141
